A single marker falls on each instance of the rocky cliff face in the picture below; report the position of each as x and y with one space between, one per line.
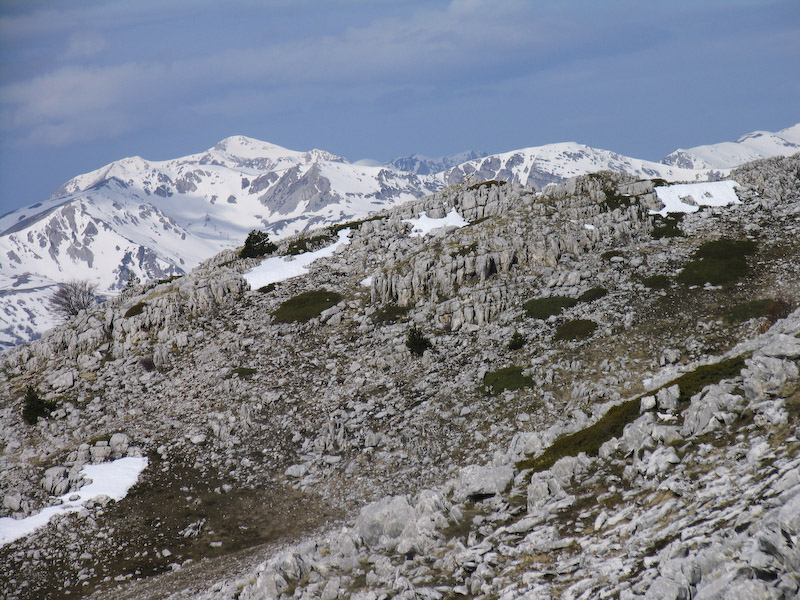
639 439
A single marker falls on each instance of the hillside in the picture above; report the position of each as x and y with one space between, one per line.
608 406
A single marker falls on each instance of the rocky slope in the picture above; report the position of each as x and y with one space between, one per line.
641 442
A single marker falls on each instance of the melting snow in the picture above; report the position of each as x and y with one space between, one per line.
423 225
112 479
367 281
279 268
689 197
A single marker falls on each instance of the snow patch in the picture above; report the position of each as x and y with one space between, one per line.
689 197
112 479
367 281
423 225
280 268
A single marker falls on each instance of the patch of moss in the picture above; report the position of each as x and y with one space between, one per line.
609 254
612 424
390 313
657 282
592 294
304 307
542 308
575 330
507 378
466 250
134 310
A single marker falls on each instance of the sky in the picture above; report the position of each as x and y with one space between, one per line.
87 82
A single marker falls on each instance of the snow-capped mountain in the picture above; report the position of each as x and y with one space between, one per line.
553 163
422 165
726 155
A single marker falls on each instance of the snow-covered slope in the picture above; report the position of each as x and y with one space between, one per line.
726 155
553 163
422 165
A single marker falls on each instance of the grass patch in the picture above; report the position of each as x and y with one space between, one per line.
593 294
575 330
657 282
169 279
612 424
304 307
241 373
466 250
507 378
745 311
541 308
390 313
718 262
134 310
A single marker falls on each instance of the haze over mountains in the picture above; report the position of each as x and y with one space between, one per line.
156 219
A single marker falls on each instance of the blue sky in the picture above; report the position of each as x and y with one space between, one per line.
84 83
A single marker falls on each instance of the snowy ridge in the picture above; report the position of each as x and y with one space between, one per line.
726 155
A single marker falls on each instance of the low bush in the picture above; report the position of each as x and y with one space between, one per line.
592 294
507 378
487 184
35 407
304 245
304 307
257 244
517 341
147 363
416 342
266 289
575 330
542 308
780 308
609 254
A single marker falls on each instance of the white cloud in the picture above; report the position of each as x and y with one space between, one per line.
84 45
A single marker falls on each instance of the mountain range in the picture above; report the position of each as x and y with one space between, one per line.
156 219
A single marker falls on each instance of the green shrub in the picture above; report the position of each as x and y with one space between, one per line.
35 407
542 308
416 342
718 262
134 310
517 341
487 184
574 330
266 289
306 306
390 313
257 244
507 378
657 282
592 294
